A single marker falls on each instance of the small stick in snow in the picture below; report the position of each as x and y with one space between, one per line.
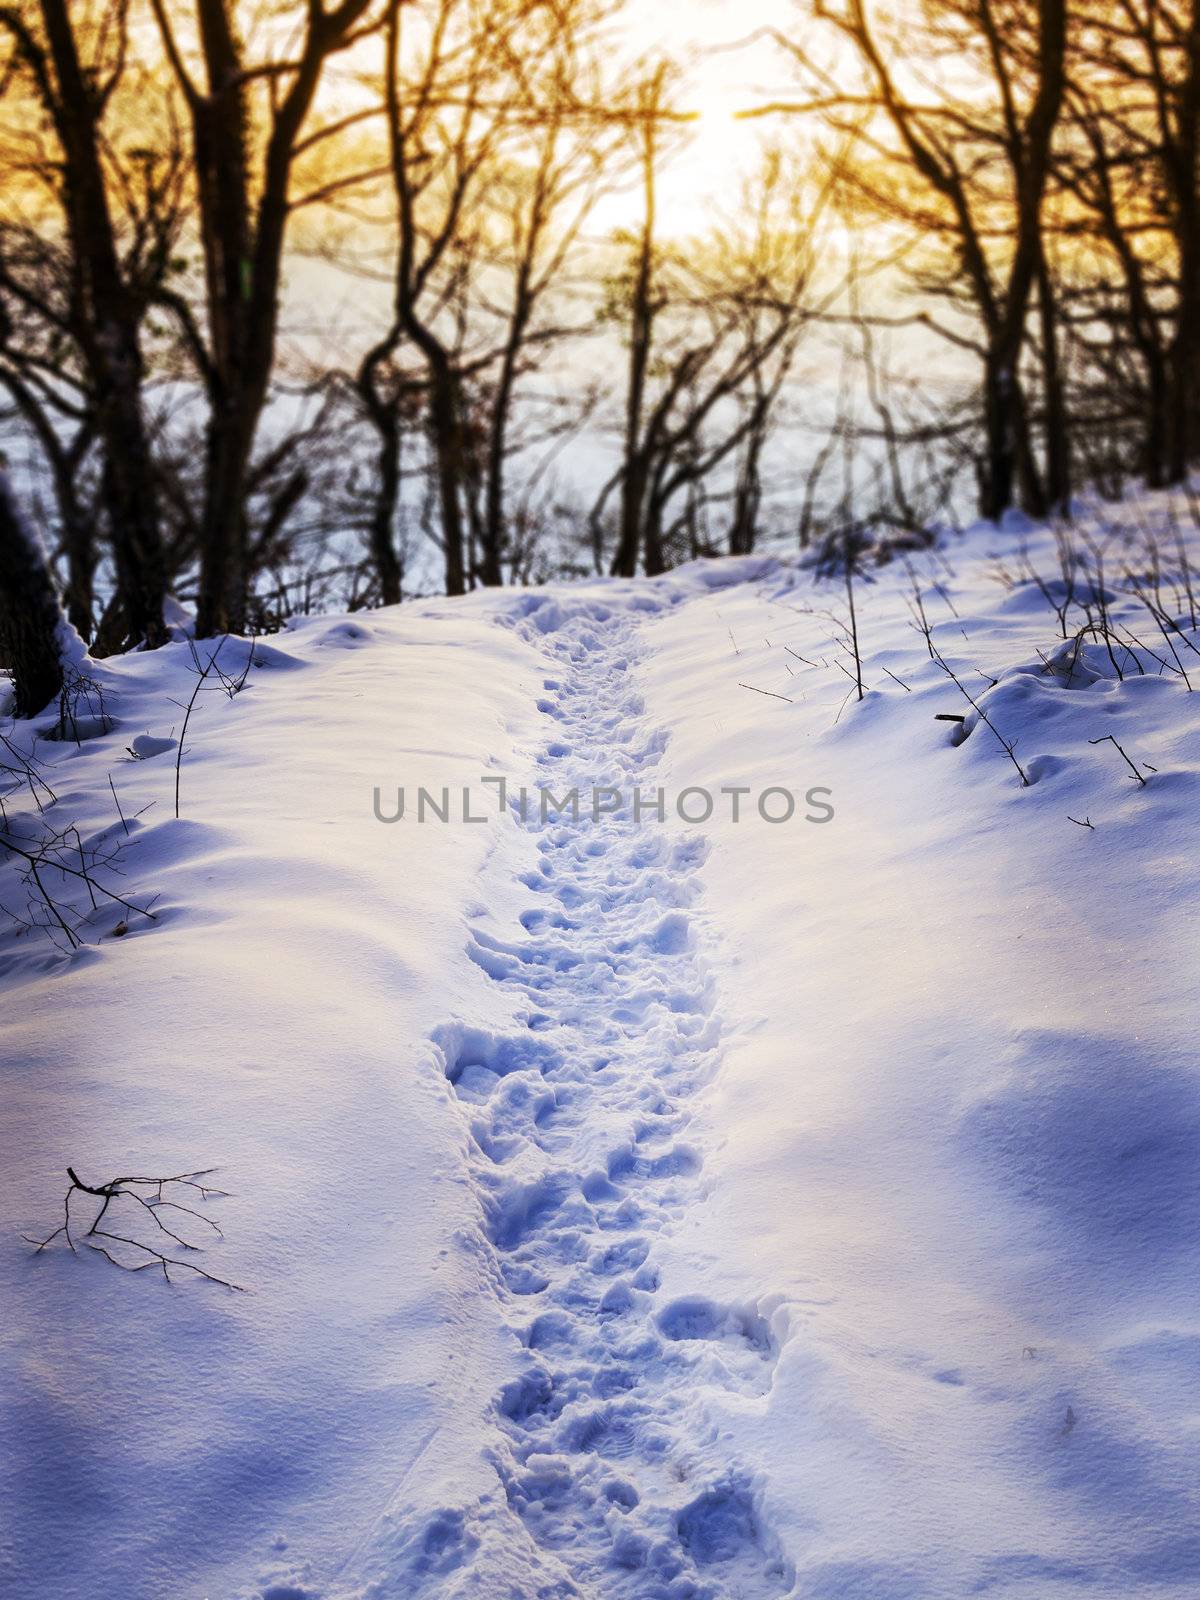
842 707
770 693
916 605
152 1203
845 670
947 716
120 813
84 868
851 553
906 687
1109 738
1165 625
1008 748
1184 567
54 852
799 657
1086 823
24 772
187 711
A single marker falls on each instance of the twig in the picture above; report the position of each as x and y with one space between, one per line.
1009 749
799 657
1108 738
126 1189
850 557
906 687
770 693
188 711
120 813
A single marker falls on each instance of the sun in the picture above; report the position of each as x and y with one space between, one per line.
715 155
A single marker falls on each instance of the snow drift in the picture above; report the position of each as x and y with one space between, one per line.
663 1210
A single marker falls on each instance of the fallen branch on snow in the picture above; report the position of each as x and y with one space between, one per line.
152 1202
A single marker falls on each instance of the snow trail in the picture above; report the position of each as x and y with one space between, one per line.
582 1163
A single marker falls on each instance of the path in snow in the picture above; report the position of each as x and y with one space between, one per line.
579 1125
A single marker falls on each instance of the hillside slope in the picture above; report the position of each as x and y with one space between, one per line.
789 1205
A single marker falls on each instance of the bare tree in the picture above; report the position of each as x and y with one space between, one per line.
1131 172
102 307
245 147
393 399
963 160
712 327
643 310
441 136
568 149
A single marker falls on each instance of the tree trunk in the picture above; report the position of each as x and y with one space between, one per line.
1009 463
625 560
444 424
641 333
30 617
110 342
243 224
1156 434
1033 497
748 494
79 547
221 606
383 514
491 567
1054 402
492 531
133 514
1008 451
1000 434
654 560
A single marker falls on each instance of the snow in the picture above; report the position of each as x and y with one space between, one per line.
271 1023
739 1209
957 1102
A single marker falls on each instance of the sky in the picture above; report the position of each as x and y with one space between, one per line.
729 66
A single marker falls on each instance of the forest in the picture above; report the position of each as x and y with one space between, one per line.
542 383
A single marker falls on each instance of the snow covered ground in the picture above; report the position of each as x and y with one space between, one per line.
724 1210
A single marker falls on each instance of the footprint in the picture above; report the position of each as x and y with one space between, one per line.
524 1208
696 1317
614 1033
720 1529
624 1256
